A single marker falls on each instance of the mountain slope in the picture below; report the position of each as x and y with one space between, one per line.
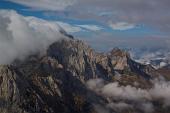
56 81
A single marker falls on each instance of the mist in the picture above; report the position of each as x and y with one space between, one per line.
128 97
22 36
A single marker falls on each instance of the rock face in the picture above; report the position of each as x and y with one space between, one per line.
56 82
8 89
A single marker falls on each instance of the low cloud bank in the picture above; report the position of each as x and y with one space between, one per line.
22 36
128 97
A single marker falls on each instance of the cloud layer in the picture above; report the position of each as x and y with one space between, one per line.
128 97
22 36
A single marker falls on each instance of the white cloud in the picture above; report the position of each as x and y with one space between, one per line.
22 36
140 99
91 27
69 28
162 64
52 5
121 26
95 84
124 92
161 90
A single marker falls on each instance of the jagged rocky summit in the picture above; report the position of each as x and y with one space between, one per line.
56 81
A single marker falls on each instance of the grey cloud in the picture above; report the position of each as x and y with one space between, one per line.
146 107
120 106
100 109
154 13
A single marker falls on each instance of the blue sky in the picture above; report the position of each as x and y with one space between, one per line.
24 10
100 23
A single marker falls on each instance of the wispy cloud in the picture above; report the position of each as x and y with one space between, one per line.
154 13
121 26
69 28
74 28
91 27
51 5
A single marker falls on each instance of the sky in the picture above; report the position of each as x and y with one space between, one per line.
104 24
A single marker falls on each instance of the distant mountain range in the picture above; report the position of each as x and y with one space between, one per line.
156 59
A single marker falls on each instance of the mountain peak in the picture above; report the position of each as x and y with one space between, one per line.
119 52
